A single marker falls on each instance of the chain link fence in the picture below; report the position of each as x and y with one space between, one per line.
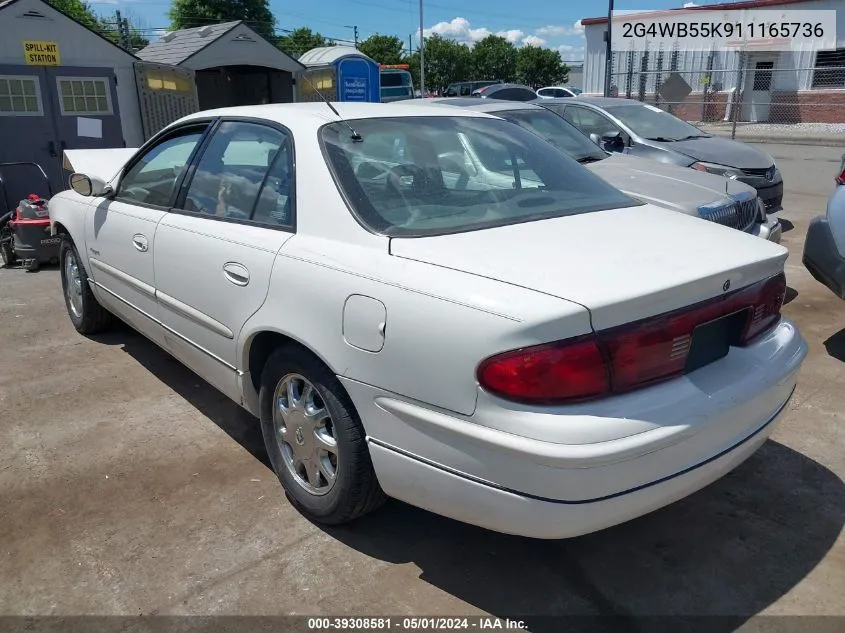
722 90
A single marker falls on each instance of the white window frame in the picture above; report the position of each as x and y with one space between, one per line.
38 97
60 96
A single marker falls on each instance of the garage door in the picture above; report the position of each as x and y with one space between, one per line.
48 109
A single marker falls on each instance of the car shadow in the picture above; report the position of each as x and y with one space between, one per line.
790 296
835 345
730 550
786 225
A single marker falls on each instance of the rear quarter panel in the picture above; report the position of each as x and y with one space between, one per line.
439 323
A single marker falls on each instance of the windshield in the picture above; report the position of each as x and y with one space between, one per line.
556 131
653 123
416 176
393 79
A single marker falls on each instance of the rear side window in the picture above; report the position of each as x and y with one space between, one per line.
244 174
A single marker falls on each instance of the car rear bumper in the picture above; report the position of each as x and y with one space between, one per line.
561 472
822 258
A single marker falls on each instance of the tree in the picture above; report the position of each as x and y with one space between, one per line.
186 14
538 67
446 61
494 58
83 13
385 49
300 41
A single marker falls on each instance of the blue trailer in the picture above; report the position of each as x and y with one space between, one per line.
340 73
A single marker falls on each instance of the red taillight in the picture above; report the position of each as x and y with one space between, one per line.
627 357
563 371
840 179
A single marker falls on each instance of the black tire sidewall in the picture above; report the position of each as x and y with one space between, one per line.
348 432
68 247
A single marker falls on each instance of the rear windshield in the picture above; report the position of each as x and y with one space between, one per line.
390 80
416 176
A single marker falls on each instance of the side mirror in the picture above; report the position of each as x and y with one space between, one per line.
612 141
89 186
595 138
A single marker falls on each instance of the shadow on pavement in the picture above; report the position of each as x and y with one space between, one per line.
791 295
835 345
786 225
730 550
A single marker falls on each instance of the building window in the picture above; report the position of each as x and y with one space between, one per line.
830 69
20 96
84 96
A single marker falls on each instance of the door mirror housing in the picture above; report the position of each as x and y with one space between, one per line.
89 186
595 138
612 141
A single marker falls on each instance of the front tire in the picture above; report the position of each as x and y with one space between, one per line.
315 439
85 312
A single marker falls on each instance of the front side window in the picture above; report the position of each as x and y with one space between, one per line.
152 179
233 169
416 176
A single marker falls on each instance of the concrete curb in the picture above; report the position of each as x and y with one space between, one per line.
835 141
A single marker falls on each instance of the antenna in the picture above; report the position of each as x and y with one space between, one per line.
357 138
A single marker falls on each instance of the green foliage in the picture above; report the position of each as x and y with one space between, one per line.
494 58
446 61
385 49
300 41
107 26
537 67
186 14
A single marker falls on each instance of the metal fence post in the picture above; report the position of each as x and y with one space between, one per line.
740 85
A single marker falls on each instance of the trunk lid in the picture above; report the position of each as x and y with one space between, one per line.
622 264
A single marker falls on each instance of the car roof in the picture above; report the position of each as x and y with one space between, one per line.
474 103
603 102
317 113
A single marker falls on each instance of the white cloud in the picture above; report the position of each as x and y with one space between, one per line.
514 36
560 30
533 40
570 52
458 29
687 5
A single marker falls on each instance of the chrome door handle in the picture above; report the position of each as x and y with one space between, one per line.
140 242
236 273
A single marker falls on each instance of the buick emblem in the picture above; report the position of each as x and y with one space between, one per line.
726 286
770 174
300 438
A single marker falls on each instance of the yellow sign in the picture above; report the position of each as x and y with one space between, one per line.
41 53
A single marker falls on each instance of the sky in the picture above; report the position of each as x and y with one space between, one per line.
555 25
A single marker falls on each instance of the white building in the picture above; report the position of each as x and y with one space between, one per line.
805 84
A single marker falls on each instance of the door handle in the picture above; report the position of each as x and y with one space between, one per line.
140 242
236 273
51 147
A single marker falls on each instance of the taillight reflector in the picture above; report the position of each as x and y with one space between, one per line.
626 357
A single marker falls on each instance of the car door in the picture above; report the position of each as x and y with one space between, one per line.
120 229
215 253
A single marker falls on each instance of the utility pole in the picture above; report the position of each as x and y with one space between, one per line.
123 38
608 62
355 32
422 54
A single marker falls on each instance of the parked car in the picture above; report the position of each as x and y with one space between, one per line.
547 358
824 247
466 88
650 132
708 196
551 92
509 92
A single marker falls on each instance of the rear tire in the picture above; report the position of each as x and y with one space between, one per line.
85 312
315 439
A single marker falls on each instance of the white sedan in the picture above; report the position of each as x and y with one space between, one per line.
537 354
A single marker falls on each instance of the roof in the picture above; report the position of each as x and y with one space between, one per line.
330 54
474 103
177 46
317 113
724 6
7 3
601 102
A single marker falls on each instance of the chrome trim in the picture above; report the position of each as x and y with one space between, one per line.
167 328
126 278
200 318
